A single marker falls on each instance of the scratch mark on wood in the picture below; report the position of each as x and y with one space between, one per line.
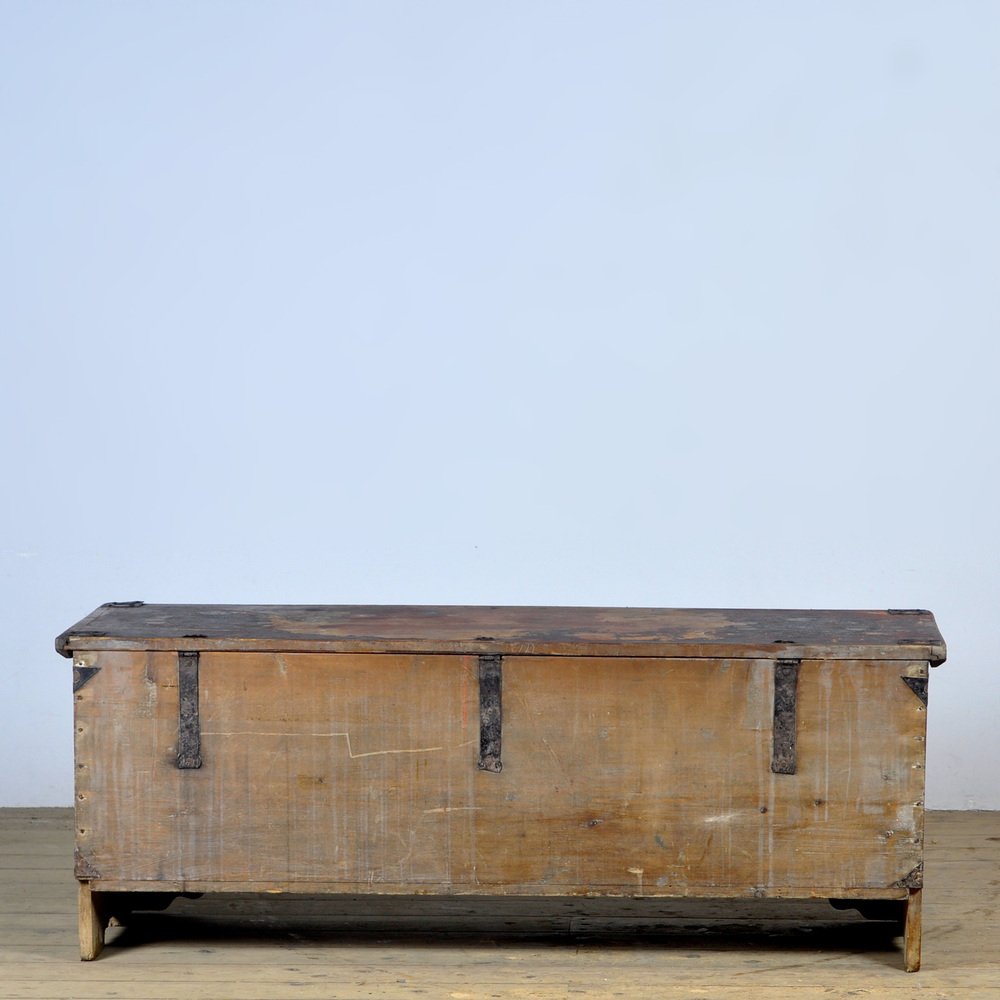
555 756
722 818
345 736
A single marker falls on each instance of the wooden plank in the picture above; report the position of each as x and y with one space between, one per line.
753 633
486 920
52 816
31 876
495 891
528 989
402 987
913 931
787 963
58 852
91 924
699 960
611 781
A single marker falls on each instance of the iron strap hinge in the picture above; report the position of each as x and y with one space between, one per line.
188 722
490 712
82 674
918 685
786 681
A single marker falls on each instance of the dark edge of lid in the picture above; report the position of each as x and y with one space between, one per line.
83 630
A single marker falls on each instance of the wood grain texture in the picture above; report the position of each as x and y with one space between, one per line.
468 948
752 633
91 923
634 775
913 931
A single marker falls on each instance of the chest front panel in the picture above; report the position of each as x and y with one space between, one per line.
642 775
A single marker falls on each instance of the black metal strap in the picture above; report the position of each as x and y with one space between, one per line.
786 680
490 712
918 685
83 674
188 723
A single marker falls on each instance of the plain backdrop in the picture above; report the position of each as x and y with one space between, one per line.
677 304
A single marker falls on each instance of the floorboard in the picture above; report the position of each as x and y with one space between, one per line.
262 948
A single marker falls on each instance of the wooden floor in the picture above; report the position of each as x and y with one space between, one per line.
218 948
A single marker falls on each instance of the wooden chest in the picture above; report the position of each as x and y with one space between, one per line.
499 750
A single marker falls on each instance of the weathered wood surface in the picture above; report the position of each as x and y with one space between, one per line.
752 633
637 776
92 923
266 948
912 933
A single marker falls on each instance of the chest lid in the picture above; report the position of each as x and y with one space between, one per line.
536 631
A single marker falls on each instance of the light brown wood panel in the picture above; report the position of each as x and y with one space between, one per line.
340 769
635 775
654 776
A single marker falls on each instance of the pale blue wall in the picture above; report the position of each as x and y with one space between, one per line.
655 303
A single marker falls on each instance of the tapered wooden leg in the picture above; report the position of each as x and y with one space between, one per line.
912 931
92 923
